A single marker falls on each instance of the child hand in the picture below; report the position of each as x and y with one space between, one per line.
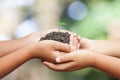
73 61
48 50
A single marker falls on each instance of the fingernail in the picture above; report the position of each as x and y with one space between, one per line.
57 59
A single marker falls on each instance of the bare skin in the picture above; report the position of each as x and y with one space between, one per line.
45 50
10 46
14 53
7 47
83 58
107 47
101 54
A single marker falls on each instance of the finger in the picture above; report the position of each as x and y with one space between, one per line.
58 54
75 41
62 53
59 67
62 47
78 46
72 42
64 58
78 38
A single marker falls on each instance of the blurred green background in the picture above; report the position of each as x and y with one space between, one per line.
88 18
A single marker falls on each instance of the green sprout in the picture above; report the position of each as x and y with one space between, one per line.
61 24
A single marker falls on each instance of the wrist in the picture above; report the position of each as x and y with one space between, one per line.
30 51
91 59
89 44
95 57
27 40
26 53
33 37
85 43
88 57
30 56
35 51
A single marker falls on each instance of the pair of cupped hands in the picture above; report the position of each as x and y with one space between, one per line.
64 57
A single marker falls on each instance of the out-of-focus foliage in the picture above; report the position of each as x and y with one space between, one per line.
100 13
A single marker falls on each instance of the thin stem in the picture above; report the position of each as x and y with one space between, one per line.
58 27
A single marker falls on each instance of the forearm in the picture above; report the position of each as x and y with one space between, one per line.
7 47
11 61
108 64
108 47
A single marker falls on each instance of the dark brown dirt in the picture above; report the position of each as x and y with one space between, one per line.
57 36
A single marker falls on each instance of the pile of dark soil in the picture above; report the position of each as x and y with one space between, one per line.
57 36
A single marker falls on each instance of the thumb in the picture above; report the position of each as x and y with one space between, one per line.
64 58
62 47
